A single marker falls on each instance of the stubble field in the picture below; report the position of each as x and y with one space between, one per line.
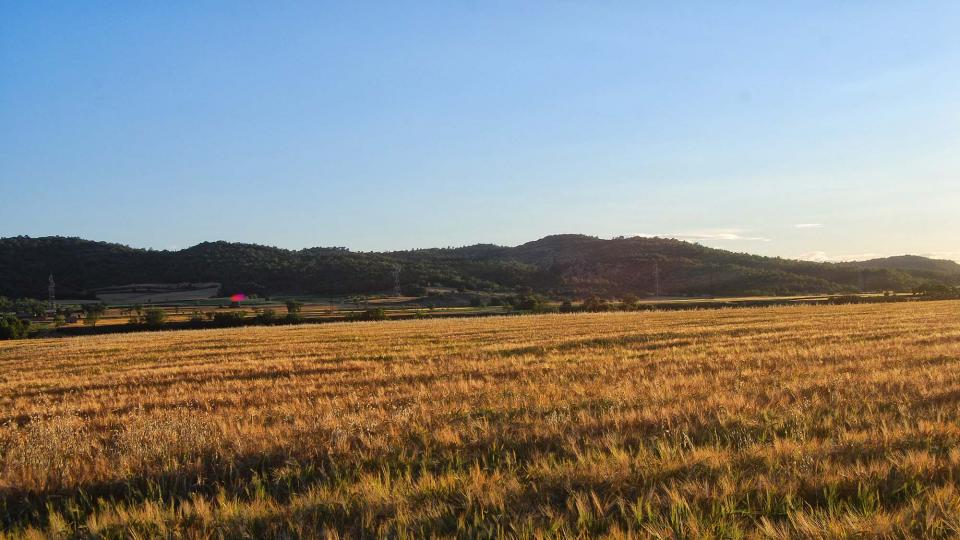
814 421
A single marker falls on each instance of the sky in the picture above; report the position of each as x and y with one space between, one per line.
817 130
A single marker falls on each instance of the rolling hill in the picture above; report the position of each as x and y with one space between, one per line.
569 264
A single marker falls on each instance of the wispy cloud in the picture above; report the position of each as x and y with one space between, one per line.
948 255
823 256
809 226
713 235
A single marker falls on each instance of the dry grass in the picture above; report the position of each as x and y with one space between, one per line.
818 422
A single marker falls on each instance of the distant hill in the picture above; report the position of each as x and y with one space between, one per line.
568 264
914 263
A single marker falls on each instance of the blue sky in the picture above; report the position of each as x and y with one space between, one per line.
822 130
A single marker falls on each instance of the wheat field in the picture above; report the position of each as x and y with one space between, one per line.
807 421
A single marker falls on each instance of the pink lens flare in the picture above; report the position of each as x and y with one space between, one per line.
239 297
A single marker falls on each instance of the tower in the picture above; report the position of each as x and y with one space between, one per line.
656 276
396 281
51 291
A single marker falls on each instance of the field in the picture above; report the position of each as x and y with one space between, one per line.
813 421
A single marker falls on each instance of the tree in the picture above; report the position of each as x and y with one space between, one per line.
529 302
376 314
629 301
229 318
154 317
93 313
267 316
934 289
595 303
12 327
293 306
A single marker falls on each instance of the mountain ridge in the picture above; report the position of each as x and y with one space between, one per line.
562 264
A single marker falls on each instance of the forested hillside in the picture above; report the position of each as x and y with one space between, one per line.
574 265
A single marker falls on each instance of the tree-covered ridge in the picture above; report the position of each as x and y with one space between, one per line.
562 264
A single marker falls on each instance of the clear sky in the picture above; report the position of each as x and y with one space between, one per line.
803 129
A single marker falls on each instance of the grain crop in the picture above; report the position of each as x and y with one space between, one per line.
805 421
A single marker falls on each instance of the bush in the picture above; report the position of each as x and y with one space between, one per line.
229 318
376 314
529 302
268 316
154 317
936 290
567 307
93 313
595 303
294 306
12 328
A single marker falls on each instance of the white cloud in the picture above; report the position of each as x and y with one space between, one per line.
948 255
712 234
823 256
809 225
815 256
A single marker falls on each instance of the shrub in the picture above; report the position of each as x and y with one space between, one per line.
376 314
529 302
294 306
229 318
93 313
154 317
12 328
595 303
267 316
936 290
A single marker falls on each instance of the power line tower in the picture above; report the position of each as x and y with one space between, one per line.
656 276
51 291
396 280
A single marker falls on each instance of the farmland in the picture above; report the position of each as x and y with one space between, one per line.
817 421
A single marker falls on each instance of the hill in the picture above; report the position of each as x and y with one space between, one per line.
923 265
566 264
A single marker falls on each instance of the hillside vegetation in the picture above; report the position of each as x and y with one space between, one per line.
814 421
572 265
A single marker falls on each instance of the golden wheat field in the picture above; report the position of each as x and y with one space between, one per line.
815 421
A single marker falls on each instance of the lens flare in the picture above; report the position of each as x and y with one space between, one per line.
239 297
